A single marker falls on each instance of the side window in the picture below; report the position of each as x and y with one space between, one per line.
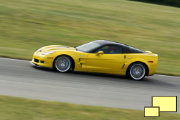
128 50
110 49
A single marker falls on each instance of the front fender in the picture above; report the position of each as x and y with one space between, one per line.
75 55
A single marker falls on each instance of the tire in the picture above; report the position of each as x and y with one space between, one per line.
63 64
137 71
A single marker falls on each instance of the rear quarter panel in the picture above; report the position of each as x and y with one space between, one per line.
144 58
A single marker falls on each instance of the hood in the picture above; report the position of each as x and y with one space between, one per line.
55 48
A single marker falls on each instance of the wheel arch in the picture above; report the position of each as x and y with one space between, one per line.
73 62
146 67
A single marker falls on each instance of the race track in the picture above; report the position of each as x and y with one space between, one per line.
19 78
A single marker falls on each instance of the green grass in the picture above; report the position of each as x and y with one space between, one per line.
13 108
26 25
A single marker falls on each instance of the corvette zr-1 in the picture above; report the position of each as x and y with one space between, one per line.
100 56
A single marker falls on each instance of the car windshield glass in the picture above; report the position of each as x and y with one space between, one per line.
88 46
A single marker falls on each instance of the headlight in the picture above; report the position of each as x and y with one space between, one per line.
47 53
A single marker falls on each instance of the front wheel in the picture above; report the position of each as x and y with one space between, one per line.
63 64
137 71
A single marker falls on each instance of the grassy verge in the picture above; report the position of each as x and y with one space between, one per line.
13 108
26 25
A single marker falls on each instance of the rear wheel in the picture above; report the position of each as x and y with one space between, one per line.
63 64
137 71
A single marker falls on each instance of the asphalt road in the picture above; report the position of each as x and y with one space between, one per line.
19 78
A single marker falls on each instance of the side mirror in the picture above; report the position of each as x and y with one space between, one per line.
100 53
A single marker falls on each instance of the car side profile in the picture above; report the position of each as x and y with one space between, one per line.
100 56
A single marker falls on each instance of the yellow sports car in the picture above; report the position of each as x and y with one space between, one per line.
100 56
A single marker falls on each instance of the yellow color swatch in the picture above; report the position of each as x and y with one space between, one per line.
166 104
151 112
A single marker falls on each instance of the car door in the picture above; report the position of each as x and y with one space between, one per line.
109 60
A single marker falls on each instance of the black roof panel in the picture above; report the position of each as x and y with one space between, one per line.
105 42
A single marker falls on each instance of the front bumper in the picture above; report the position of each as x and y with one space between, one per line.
43 61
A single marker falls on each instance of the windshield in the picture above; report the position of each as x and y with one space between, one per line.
88 46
